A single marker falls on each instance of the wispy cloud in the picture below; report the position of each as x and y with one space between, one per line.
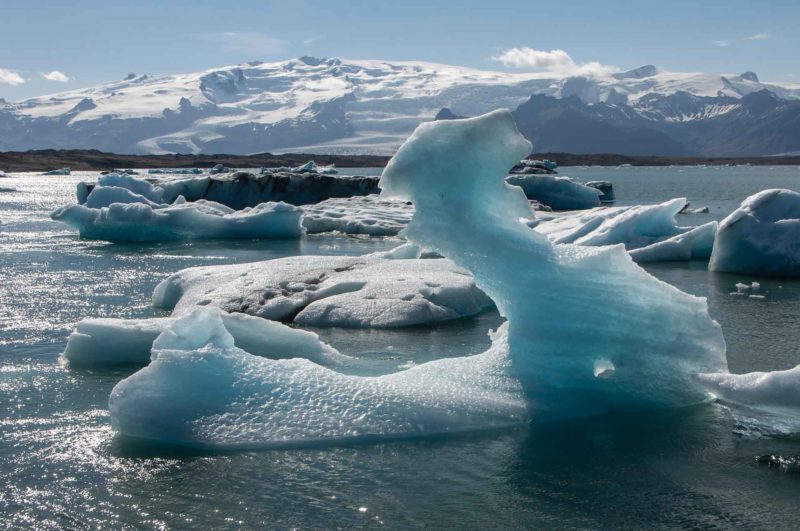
247 42
555 61
9 77
724 43
313 40
55 75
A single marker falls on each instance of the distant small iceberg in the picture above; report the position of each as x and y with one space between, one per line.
62 171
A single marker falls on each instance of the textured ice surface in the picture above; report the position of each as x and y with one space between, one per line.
358 215
567 305
764 401
132 221
366 291
206 392
694 244
108 342
761 237
560 193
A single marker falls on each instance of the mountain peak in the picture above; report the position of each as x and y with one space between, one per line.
638 73
749 76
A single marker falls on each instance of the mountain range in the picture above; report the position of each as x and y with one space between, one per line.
336 106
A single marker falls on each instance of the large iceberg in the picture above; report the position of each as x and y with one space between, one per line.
240 189
559 193
761 237
363 292
122 207
146 221
588 330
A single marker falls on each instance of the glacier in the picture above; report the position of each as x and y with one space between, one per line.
761 237
588 331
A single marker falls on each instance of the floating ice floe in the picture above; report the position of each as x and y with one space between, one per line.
358 215
61 171
559 193
140 222
175 171
219 168
242 189
761 237
364 292
694 244
588 330
308 167
132 339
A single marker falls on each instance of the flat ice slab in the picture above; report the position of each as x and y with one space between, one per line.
367 291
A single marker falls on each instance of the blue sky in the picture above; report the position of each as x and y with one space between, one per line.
79 43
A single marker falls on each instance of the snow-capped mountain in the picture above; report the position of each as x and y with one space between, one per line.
343 106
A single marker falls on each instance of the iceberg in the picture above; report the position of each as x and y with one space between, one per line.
141 222
175 171
635 226
559 193
694 244
358 215
133 339
588 330
61 171
219 168
239 189
357 292
761 237
308 167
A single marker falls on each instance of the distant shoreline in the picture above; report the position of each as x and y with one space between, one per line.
93 160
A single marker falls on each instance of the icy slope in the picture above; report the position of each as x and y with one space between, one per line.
333 105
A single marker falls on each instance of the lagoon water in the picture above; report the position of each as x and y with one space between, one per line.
62 467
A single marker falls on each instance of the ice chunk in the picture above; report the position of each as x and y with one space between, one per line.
134 184
694 244
566 305
218 396
219 168
109 342
103 196
367 291
761 237
358 215
560 193
181 220
62 171
175 171
768 400
634 226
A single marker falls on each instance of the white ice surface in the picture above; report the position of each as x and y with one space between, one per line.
367 291
694 244
358 215
109 342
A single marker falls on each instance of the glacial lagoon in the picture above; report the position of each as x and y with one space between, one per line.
64 467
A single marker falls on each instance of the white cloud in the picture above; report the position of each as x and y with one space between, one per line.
55 75
757 37
251 43
721 43
9 77
313 40
555 61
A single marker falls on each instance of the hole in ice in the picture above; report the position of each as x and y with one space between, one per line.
603 369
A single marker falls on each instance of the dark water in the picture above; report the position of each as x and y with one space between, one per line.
62 467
